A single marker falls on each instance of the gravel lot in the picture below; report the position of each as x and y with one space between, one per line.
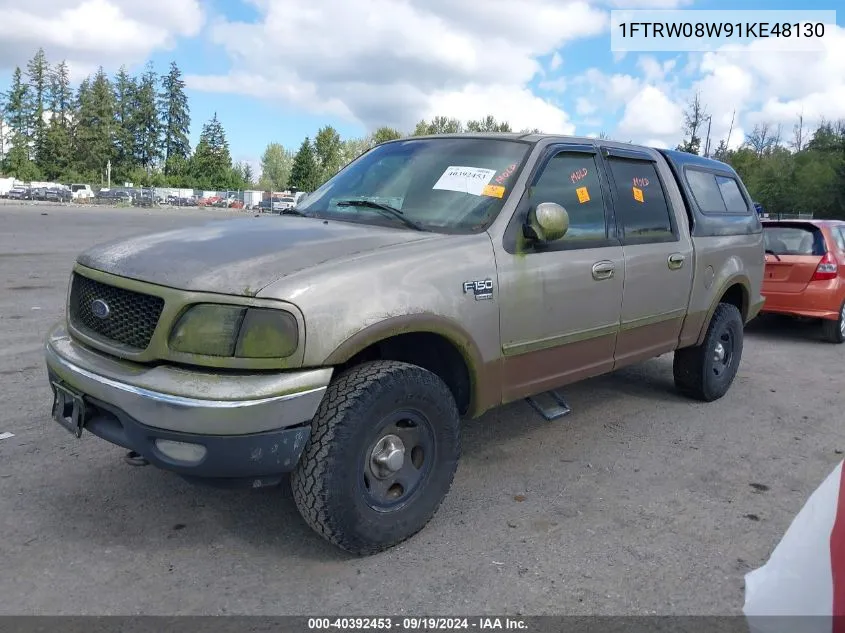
638 502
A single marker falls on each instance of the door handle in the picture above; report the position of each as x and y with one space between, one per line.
603 270
676 260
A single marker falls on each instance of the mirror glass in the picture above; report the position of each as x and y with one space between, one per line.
550 221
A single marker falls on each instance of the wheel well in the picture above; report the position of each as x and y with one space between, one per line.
736 296
427 350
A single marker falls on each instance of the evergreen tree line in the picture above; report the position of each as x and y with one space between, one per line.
138 126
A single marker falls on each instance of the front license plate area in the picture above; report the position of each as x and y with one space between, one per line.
68 408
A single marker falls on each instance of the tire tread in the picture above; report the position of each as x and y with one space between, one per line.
348 393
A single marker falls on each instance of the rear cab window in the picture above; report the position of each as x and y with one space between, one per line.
715 193
642 211
793 240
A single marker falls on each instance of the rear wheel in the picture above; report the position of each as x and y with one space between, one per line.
834 331
706 372
382 455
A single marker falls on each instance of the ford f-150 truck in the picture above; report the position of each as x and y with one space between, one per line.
430 280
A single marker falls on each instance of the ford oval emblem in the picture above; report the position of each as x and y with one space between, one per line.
100 309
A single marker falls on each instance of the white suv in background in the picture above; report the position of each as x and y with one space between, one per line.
81 192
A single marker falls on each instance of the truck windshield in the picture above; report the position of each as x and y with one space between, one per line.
450 185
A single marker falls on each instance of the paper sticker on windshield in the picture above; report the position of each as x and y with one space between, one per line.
583 194
465 179
495 191
638 194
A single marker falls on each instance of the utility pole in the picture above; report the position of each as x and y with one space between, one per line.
707 142
108 174
730 131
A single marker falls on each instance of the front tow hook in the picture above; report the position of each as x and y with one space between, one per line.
134 458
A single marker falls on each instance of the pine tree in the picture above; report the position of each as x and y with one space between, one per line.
175 119
57 145
146 124
304 173
125 88
17 159
38 75
327 152
211 164
94 136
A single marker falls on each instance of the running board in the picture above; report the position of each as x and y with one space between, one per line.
551 405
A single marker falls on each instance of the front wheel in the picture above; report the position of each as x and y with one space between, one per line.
383 452
706 372
834 330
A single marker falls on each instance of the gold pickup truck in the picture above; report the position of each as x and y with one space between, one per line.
432 279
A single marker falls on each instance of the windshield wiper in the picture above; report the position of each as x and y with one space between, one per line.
292 211
768 252
386 208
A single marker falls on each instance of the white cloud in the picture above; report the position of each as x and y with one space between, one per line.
651 113
554 85
738 88
383 62
89 33
520 108
584 106
556 61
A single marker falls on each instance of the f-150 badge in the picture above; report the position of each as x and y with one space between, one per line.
481 288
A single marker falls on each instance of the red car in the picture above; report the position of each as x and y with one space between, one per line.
805 272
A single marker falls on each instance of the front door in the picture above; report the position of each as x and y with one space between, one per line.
560 302
658 253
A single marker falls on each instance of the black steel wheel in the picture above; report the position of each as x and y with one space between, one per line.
706 372
382 454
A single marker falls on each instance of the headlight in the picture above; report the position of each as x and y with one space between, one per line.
225 330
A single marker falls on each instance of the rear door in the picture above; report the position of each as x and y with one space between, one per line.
658 254
793 252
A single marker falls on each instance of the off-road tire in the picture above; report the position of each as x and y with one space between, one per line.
833 331
693 367
327 484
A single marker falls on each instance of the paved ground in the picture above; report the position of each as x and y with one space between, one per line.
639 502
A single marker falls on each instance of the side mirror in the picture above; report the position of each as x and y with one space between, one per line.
547 222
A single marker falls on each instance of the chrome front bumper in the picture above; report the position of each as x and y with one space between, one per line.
188 401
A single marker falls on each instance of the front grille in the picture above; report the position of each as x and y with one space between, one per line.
132 316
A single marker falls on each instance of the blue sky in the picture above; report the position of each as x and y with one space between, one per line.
277 70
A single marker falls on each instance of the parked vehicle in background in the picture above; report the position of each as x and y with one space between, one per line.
283 203
805 272
264 206
20 193
437 278
58 194
81 191
113 196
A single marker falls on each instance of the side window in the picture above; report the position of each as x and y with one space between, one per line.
734 200
840 238
641 208
705 190
572 180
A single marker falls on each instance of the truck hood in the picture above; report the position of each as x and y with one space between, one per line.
240 256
